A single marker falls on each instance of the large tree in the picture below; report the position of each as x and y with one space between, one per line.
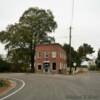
84 50
22 37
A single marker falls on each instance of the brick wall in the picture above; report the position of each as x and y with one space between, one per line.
41 60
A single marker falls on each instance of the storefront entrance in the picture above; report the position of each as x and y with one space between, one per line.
46 67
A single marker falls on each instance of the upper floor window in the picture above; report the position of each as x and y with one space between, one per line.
38 54
62 55
54 54
46 54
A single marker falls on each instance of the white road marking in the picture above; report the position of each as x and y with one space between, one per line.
23 84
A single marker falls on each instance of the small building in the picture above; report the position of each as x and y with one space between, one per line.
50 58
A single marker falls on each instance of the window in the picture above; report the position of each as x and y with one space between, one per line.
38 54
54 66
54 54
45 54
60 54
39 67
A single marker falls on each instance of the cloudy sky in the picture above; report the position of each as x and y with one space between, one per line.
86 22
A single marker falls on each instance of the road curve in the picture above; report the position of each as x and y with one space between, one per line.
57 87
15 89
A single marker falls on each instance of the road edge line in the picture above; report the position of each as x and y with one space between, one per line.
23 84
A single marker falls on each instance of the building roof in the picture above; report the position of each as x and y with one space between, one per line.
53 44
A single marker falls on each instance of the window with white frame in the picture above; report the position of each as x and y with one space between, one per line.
46 54
62 55
54 54
38 54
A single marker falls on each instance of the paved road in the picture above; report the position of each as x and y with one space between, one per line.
57 87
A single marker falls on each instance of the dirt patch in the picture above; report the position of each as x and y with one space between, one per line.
7 87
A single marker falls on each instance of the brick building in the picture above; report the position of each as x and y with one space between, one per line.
50 58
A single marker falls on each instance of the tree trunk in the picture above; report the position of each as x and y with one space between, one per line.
32 47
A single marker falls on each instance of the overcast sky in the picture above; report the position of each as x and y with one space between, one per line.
86 23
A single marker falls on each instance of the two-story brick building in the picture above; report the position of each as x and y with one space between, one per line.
50 58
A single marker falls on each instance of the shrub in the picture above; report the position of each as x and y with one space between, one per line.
84 66
2 83
92 67
4 66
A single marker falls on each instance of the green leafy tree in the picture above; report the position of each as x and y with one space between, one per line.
32 27
19 58
84 50
74 55
98 60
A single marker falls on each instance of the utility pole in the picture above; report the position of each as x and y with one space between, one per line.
70 56
70 38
